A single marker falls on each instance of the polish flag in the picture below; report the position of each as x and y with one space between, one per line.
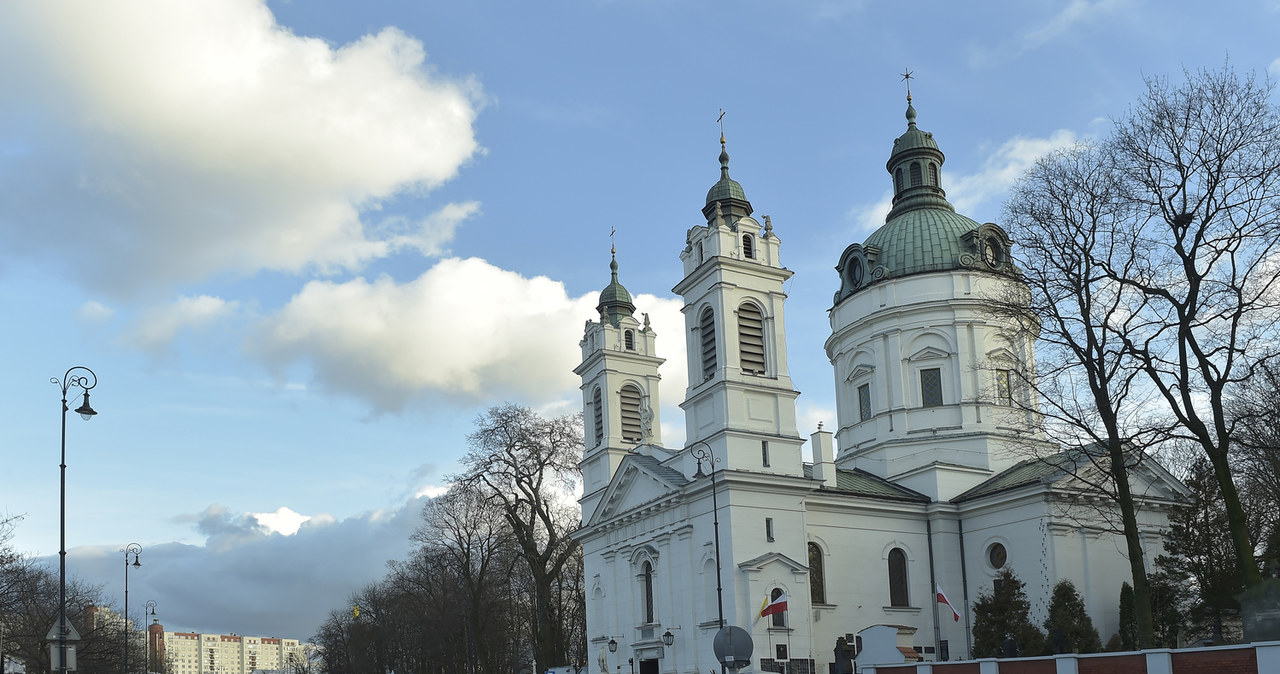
942 597
771 607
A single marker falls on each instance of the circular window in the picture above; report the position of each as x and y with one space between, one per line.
992 253
997 555
855 271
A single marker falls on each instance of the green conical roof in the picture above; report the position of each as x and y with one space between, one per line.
615 301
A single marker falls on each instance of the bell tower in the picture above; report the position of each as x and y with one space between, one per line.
619 372
740 399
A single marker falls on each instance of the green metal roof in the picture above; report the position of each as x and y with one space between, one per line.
861 483
1042 470
726 187
615 301
921 240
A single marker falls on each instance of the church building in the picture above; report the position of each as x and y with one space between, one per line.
928 481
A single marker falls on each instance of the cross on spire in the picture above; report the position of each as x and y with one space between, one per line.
720 121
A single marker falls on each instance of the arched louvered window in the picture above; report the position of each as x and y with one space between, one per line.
817 580
898 578
597 414
751 338
748 247
897 180
933 175
629 340
707 332
629 399
646 580
916 178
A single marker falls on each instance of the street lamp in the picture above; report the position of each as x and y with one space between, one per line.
85 382
149 614
135 550
699 453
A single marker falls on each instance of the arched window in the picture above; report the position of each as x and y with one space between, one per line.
707 330
933 174
817 580
629 340
597 414
751 338
699 252
646 583
748 247
915 174
629 398
780 618
897 180
898 578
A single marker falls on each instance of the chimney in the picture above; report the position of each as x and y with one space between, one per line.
824 467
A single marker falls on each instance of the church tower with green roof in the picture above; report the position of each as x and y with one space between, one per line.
619 372
740 400
927 378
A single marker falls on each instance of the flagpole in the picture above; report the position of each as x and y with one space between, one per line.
933 580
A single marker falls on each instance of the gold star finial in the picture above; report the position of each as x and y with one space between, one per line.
906 77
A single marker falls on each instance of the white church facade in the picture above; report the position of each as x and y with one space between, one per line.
925 481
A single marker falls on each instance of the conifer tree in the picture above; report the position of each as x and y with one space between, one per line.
1128 620
1002 621
1069 627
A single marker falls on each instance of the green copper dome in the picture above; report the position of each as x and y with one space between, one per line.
921 240
615 301
726 193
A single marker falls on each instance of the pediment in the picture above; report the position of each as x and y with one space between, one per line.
859 371
1002 354
929 353
773 558
639 480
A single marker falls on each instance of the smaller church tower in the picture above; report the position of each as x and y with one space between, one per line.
740 399
619 372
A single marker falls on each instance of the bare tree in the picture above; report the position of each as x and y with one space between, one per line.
526 464
1071 215
1202 165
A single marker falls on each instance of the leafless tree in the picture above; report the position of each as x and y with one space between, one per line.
526 464
1070 217
1202 163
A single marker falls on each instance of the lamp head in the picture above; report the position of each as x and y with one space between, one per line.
85 411
136 562
613 646
668 638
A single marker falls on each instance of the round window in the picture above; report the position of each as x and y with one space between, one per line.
997 555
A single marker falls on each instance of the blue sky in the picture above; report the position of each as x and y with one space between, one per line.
302 244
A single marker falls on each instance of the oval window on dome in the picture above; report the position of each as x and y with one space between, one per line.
992 252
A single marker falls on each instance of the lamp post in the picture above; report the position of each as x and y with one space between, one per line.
135 550
85 379
699 453
149 615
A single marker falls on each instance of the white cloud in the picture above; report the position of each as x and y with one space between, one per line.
243 561
201 136
465 329
433 491
1076 13
1002 168
158 326
1274 68
869 218
94 312
283 521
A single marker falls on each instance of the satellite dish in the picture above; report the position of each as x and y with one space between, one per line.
732 646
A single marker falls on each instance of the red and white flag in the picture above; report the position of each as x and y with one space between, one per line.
942 598
771 607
